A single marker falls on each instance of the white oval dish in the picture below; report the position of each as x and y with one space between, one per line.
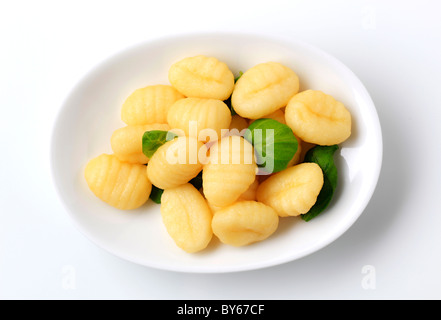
91 113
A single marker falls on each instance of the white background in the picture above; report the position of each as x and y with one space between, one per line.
394 47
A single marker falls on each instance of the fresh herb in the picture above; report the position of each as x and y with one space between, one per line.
238 77
324 157
152 140
274 143
156 194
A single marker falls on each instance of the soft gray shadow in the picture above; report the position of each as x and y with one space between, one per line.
393 187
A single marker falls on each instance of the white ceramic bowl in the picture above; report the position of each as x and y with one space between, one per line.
92 112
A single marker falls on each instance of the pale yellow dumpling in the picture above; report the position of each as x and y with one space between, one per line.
187 217
292 191
264 89
176 162
230 171
126 142
122 185
203 119
244 222
202 77
149 105
248 195
318 118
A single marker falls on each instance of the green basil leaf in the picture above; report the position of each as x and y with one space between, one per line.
152 140
238 77
274 143
156 194
324 157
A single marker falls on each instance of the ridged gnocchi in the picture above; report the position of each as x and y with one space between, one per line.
126 142
176 162
187 217
122 185
205 113
149 105
318 118
244 222
202 77
264 89
212 178
230 170
293 191
248 195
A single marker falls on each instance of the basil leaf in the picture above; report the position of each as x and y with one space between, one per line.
156 194
152 140
238 77
324 157
274 143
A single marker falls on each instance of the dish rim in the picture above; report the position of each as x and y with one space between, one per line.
212 268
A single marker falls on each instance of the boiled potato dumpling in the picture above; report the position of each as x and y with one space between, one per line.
264 89
149 105
176 162
248 195
292 191
122 185
126 142
318 118
230 171
244 222
187 217
204 113
202 77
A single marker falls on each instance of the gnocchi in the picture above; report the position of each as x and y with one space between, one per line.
205 113
318 118
230 170
210 179
293 191
202 77
176 162
149 105
264 89
248 195
122 185
187 217
244 222
126 142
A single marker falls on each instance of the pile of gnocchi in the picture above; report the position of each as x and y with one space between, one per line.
207 109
